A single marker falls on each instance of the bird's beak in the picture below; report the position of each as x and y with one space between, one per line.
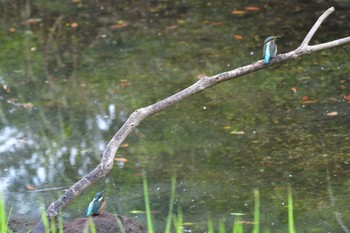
277 37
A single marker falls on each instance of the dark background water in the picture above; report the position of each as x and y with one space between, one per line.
72 73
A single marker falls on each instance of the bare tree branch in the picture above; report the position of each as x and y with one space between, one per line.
316 26
136 117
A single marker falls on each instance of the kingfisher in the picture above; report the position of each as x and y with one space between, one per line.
270 48
96 205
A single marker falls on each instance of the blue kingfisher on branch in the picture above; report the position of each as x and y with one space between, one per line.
97 205
270 48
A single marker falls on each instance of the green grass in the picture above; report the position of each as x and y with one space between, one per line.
256 211
147 206
178 221
290 211
237 226
171 205
3 219
174 222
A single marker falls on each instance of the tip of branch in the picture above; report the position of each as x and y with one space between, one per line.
331 9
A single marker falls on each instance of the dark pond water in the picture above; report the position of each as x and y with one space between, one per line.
72 72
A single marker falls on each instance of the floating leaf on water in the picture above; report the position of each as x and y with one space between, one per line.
246 222
216 23
74 25
252 8
188 224
237 132
238 37
124 83
238 214
6 88
124 160
335 113
120 24
307 100
31 21
347 98
143 212
238 12
171 27
124 145
137 212
27 105
30 187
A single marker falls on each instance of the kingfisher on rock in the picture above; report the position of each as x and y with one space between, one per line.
270 48
97 205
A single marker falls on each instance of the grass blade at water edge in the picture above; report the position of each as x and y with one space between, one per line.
237 225
147 206
221 226
53 226
3 222
60 224
178 221
120 224
44 218
92 225
171 205
256 211
290 211
210 225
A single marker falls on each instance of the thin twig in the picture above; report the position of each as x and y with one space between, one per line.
316 26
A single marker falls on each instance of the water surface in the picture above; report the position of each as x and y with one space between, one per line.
72 73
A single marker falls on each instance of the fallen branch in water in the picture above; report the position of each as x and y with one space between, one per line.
136 117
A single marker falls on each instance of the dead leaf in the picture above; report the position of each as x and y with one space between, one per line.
123 160
236 132
347 98
251 8
124 145
124 83
238 37
30 187
335 113
238 12
309 101
28 105
171 27
6 88
31 21
74 25
119 25
305 98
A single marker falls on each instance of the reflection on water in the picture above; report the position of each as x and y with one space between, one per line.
71 75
